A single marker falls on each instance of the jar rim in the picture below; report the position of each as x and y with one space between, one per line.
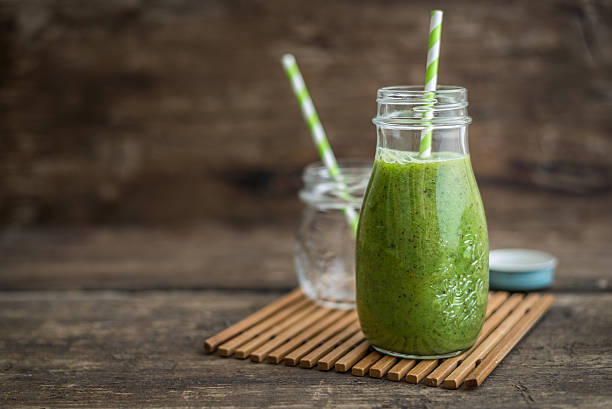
324 191
318 172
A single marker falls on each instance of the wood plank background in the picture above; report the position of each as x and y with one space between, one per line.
173 113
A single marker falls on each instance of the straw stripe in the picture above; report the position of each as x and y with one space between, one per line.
309 111
431 78
432 75
318 133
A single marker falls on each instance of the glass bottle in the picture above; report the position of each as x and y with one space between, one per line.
422 245
325 245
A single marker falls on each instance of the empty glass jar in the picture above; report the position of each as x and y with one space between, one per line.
325 245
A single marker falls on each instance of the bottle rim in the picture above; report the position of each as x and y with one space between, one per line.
391 93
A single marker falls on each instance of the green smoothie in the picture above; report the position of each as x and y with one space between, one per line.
422 255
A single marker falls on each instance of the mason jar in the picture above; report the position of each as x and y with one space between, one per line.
422 247
325 243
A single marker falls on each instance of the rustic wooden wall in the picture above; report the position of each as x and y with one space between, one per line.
158 112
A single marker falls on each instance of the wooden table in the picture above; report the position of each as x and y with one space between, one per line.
117 316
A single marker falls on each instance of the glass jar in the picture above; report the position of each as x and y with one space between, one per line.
422 245
325 245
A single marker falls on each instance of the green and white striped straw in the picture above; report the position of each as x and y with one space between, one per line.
318 133
431 77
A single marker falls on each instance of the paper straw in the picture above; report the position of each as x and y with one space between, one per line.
431 78
318 133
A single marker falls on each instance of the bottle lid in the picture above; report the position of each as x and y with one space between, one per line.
521 269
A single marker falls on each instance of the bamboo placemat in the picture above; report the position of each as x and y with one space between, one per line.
296 331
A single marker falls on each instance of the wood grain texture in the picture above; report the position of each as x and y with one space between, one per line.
101 349
125 111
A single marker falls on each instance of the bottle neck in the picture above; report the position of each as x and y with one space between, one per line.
407 113
453 140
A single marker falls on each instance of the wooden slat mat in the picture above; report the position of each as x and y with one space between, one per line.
296 331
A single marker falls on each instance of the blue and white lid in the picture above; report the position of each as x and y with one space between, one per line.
521 269
520 260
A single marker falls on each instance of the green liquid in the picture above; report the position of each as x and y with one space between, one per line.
422 255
